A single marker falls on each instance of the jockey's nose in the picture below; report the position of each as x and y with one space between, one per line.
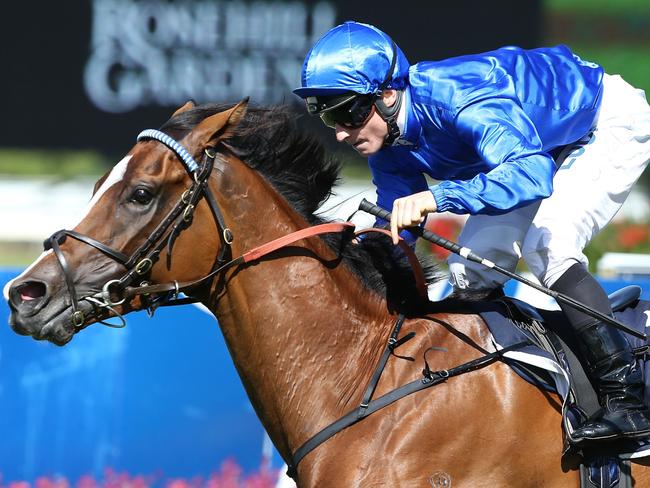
341 133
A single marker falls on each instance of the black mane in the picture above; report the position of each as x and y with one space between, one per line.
269 140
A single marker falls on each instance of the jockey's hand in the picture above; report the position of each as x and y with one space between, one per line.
410 211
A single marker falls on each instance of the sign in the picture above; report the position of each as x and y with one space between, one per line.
163 53
92 74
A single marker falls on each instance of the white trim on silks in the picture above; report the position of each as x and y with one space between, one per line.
557 373
641 453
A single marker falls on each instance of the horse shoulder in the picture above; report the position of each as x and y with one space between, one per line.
463 428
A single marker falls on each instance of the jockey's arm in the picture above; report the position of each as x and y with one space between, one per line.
392 182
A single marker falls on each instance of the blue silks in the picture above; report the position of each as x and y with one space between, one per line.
352 57
483 124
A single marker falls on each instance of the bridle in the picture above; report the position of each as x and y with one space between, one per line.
140 262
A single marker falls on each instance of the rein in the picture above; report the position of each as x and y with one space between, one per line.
139 264
271 246
252 255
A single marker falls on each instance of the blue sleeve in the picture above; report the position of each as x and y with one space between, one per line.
506 140
393 181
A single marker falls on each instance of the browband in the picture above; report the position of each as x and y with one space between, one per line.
180 151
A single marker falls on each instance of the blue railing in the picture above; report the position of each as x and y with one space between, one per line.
159 395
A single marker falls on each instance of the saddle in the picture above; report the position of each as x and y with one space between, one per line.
550 361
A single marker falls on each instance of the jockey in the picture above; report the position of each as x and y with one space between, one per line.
539 147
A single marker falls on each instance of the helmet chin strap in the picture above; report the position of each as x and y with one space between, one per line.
389 114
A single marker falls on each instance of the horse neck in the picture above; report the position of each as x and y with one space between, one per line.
304 337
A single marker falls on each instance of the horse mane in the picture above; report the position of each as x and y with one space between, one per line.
296 164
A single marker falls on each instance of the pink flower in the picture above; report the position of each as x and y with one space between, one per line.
87 481
228 476
18 484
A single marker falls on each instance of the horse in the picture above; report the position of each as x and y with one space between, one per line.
305 321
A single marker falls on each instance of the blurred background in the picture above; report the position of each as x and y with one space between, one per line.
159 401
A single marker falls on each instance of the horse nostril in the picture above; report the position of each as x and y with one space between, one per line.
32 290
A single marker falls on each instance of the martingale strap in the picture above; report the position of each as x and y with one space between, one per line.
363 411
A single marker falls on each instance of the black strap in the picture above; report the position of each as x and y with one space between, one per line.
374 379
116 255
353 417
140 262
53 243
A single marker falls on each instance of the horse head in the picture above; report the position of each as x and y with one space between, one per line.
135 219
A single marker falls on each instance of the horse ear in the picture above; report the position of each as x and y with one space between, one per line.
188 105
220 125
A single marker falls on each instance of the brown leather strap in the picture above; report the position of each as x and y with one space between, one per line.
252 255
283 241
274 245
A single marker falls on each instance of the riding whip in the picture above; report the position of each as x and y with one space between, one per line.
468 254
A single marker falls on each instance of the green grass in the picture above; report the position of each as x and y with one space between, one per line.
19 254
58 163
605 7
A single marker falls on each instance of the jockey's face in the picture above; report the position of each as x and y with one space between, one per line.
369 138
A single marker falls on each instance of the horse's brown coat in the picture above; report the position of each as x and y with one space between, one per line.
306 337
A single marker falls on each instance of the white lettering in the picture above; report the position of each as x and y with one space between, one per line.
163 52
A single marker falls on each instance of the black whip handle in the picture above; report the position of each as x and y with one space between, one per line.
468 254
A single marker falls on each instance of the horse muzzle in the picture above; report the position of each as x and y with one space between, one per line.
37 312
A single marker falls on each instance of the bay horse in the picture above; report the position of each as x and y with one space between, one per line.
307 323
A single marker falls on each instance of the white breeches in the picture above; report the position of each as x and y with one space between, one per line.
594 179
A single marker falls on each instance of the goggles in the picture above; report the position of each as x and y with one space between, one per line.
350 110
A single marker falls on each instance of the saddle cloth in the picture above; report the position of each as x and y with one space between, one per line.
546 370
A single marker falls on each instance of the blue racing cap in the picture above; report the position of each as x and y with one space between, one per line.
353 57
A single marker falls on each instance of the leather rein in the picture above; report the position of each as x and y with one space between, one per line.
139 264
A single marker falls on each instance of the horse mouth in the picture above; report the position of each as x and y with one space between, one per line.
57 333
56 327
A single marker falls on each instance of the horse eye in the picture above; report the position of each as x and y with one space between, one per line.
141 196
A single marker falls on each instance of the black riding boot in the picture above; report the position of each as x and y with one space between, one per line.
612 368
610 363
